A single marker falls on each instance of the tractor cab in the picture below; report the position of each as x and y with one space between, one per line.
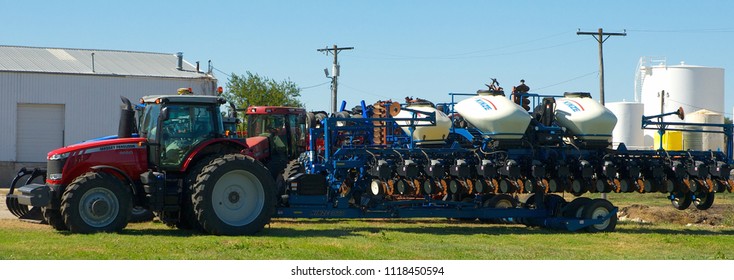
285 127
174 125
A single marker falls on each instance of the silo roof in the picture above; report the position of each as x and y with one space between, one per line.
106 62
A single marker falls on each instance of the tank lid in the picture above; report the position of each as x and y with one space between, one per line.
490 92
577 94
418 102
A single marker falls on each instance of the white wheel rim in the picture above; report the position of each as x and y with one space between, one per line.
238 198
576 185
375 187
600 212
99 207
503 203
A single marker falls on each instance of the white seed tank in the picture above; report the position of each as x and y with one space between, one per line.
495 115
584 117
629 121
425 133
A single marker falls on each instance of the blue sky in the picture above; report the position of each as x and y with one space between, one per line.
402 48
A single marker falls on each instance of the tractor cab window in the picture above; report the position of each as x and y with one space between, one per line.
184 128
149 122
271 126
287 133
297 124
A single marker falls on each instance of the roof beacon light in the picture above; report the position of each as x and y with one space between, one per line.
185 91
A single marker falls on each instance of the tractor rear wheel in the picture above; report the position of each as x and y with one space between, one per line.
96 202
294 167
187 217
599 208
234 195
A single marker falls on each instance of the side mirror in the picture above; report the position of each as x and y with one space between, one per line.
680 113
164 114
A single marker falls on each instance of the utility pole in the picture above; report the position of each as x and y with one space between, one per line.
334 72
599 36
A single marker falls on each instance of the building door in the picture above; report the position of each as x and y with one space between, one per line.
40 129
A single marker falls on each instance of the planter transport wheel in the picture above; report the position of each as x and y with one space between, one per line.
599 208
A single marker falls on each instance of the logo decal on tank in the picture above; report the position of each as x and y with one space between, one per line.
573 105
486 104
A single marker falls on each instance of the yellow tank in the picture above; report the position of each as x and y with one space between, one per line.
672 141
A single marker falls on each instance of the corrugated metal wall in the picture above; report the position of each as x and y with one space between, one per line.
92 102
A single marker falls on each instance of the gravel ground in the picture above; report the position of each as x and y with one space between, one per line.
4 213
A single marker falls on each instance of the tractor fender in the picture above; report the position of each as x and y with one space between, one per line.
208 148
115 170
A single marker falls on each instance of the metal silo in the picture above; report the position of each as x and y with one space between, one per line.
692 87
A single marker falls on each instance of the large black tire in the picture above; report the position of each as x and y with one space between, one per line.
96 202
140 215
704 200
234 195
294 167
500 201
574 208
598 208
681 201
53 218
187 217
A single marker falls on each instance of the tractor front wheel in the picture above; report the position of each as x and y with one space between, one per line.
234 195
96 202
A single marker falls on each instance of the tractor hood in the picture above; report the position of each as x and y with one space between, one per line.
96 146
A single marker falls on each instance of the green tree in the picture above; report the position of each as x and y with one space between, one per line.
255 90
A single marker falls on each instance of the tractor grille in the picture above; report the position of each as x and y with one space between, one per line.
55 167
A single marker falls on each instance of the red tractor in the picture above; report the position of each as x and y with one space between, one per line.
184 166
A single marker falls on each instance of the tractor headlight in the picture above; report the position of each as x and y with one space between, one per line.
58 156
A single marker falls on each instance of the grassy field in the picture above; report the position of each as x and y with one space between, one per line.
390 239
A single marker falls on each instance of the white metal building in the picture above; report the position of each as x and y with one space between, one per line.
52 97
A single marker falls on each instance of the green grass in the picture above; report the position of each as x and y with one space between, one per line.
382 240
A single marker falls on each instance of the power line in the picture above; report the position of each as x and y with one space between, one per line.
366 92
463 55
566 81
700 108
711 30
220 71
321 84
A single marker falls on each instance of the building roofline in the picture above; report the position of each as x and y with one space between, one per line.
203 75
81 49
